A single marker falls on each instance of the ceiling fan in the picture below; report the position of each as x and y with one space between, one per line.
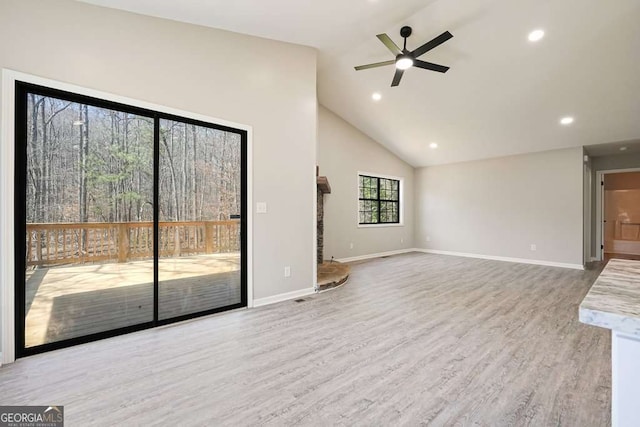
406 59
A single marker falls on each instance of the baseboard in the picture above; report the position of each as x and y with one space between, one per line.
283 297
506 259
376 255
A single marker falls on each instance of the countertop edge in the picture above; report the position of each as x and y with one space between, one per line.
612 321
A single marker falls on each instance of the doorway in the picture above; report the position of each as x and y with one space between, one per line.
619 225
126 218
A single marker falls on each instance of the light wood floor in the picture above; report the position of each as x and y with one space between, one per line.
411 339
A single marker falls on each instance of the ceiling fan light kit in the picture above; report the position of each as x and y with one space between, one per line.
406 59
404 62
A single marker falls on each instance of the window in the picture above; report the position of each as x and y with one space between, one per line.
379 200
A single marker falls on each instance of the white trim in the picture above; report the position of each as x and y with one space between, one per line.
314 223
380 175
600 207
401 204
506 259
7 256
381 225
250 213
377 255
283 297
7 264
587 220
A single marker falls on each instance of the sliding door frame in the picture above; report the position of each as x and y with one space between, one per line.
12 246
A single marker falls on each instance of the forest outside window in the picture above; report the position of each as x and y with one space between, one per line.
379 200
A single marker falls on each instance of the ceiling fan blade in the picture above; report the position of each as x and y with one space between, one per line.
396 77
430 66
377 64
431 44
389 44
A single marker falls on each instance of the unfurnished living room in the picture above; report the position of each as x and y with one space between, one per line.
277 212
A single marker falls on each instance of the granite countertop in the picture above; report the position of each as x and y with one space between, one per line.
613 302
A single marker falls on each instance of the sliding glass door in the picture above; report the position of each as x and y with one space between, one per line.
199 224
126 218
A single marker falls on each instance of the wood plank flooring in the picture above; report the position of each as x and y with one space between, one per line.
414 339
71 301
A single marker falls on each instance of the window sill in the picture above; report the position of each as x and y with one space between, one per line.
380 225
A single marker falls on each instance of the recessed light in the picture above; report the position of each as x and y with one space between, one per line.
536 35
433 145
623 148
376 96
566 120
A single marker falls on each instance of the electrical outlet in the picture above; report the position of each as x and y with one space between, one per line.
351 245
402 240
261 207
428 238
287 271
533 247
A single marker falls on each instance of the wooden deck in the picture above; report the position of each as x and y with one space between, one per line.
70 301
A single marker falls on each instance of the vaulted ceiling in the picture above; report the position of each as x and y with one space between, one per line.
503 94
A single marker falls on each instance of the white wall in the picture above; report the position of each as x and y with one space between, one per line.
268 85
343 152
499 207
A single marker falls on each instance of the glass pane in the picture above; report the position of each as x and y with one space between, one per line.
385 211
199 229
370 188
388 211
89 207
384 192
388 189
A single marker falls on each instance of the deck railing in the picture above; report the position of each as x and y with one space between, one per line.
73 243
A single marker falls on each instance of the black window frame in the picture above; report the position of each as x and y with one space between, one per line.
22 89
378 200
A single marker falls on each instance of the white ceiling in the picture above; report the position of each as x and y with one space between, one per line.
503 94
614 148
